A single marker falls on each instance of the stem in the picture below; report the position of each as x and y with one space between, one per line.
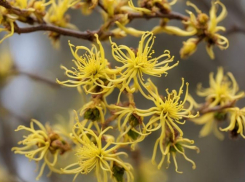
204 109
86 35
172 16
37 78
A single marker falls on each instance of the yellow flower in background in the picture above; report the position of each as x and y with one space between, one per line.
7 21
6 63
92 155
207 26
56 13
64 126
148 172
237 121
22 4
114 6
172 30
30 7
173 147
211 123
138 9
42 144
6 176
168 110
91 70
152 6
135 64
223 89
87 6
210 120
129 30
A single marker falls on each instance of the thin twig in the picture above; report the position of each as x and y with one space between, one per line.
172 15
37 78
4 110
235 29
86 35
217 108
102 7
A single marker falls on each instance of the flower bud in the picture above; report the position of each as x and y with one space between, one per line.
118 172
188 48
92 114
202 18
132 134
135 120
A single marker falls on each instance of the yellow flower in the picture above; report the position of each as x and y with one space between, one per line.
237 121
91 70
57 13
172 147
6 64
42 144
148 172
168 110
172 30
223 89
63 126
210 121
22 4
153 6
207 26
7 21
92 155
87 6
135 64
114 6
29 7
129 30
132 128
6 176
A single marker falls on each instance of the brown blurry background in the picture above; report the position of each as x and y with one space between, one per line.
218 161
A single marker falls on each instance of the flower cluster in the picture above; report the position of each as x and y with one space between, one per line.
117 15
94 149
93 155
98 78
170 147
206 28
42 144
221 97
102 132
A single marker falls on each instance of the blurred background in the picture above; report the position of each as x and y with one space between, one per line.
25 98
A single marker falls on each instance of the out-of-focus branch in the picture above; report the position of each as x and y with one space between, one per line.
235 29
86 35
37 78
5 111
